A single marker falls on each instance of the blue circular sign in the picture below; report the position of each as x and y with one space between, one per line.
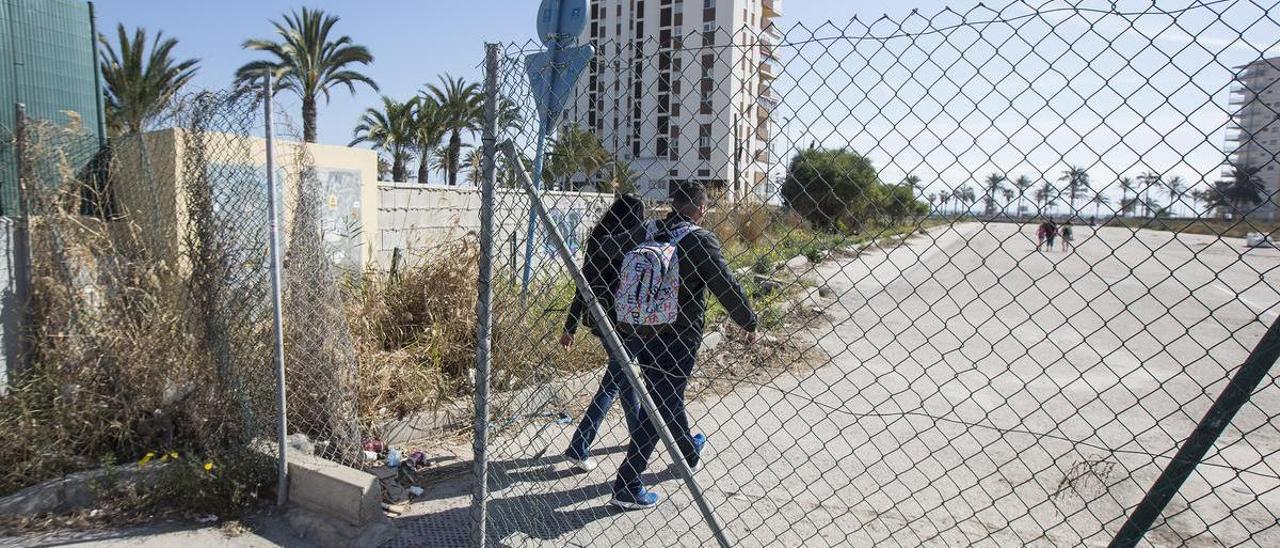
561 21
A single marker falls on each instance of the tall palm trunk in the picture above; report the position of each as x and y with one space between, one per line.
397 165
309 118
424 167
455 145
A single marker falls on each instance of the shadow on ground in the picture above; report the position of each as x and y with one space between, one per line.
538 516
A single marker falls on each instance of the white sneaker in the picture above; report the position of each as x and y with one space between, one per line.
585 465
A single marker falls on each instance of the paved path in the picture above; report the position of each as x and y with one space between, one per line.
979 392
260 531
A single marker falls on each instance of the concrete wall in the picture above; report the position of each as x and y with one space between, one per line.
148 177
418 218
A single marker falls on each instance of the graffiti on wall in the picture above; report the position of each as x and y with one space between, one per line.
340 215
569 224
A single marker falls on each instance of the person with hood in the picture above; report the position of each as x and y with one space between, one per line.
601 271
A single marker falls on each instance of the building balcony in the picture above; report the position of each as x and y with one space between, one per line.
762 155
769 53
762 133
768 39
767 71
772 8
767 100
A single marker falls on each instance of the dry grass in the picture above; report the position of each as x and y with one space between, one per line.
117 365
415 332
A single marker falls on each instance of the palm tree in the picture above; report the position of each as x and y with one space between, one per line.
1022 183
428 132
1127 185
1046 196
390 130
624 178
1242 188
575 151
913 181
140 84
475 166
994 183
1100 199
384 168
1008 194
1077 180
307 61
1148 181
1176 187
967 197
461 109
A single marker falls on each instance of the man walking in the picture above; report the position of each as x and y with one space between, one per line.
661 308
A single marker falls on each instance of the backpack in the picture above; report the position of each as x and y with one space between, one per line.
648 291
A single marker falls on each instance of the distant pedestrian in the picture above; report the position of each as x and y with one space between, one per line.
1050 234
1042 232
601 270
1066 236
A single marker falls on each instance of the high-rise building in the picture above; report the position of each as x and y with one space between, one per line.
1253 140
680 90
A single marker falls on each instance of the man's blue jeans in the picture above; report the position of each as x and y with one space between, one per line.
613 384
667 361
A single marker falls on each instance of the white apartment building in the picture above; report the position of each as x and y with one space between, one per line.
1254 138
681 91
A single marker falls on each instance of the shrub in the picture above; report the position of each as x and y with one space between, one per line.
829 186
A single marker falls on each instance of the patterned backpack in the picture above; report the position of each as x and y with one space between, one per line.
648 292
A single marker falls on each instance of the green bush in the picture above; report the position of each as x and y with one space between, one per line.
829 187
838 190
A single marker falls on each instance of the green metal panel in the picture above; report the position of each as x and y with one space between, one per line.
49 62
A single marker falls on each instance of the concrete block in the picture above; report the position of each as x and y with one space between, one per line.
335 490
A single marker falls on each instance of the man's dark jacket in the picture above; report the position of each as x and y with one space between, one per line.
702 268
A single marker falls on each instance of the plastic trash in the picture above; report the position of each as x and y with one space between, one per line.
370 455
393 458
415 491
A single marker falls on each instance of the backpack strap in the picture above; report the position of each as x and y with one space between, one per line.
679 233
650 230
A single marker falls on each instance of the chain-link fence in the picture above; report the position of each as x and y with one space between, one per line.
150 331
998 260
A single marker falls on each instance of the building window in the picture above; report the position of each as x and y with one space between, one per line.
708 4
704 172
704 142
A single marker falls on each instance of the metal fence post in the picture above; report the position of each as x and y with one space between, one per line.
21 251
1256 368
282 420
613 343
484 300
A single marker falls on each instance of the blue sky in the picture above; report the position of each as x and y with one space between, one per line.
412 41
1118 94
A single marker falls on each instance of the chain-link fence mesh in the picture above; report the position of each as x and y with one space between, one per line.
150 330
998 259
